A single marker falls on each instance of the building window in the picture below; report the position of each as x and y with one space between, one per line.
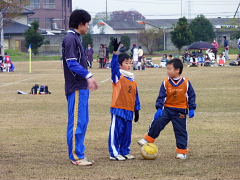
34 4
31 20
49 23
49 4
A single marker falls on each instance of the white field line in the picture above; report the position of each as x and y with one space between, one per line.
105 80
15 82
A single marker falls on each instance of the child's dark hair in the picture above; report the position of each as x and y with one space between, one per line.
79 16
122 57
177 64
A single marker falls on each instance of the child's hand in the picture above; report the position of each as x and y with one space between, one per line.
115 44
158 114
136 118
191 113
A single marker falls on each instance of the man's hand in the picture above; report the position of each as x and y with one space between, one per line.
92 84
115 44
136 118
191 113
158 114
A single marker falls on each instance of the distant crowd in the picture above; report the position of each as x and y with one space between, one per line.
194 58
6 64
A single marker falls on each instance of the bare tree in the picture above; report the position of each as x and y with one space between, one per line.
151 39
8 10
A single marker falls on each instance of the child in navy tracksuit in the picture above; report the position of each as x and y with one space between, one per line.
125 105
176 97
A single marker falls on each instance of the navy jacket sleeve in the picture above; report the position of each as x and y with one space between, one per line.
71 58
115 67
161 97
191 97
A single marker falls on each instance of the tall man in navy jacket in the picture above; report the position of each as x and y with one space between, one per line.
78 82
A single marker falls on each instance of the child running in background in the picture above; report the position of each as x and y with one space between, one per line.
125 103
175 98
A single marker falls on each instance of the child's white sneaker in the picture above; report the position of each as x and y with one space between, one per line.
129 157
118 158
141 142
181 156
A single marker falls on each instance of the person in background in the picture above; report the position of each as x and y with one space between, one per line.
101 55
89 54
226 48
135 56
8 62
134 46
170 57
221 60
140 55
216 46
1 63
164 58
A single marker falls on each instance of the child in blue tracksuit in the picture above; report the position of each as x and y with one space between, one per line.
125 105
176 97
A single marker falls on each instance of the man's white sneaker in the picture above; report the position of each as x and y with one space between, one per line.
141 142
82 162
181 156
118 158
129 157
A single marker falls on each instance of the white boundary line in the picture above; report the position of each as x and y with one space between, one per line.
16 82
104 80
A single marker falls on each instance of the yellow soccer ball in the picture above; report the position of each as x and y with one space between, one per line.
149 151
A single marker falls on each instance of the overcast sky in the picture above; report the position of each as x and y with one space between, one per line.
160 9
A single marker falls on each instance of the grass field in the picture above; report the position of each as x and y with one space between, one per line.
33 128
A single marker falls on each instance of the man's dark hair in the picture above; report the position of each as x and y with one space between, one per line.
225 37
177 64
122 57
79 16
170 55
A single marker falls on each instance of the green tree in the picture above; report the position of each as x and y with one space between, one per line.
236 35
181 35
151 39
202 29
125 40
33 37
87 39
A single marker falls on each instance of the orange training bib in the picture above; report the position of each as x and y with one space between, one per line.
176 96
124 94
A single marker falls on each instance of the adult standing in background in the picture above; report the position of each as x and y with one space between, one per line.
89 53
78 82
226 48
215 50
135 56
140 56
101 55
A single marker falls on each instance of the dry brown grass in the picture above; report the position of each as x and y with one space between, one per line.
33 128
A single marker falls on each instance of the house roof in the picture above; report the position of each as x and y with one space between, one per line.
125 25
27 11
13 27
169 23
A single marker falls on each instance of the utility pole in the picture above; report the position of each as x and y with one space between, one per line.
238 14
106 10
181 9
2 35
189 9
